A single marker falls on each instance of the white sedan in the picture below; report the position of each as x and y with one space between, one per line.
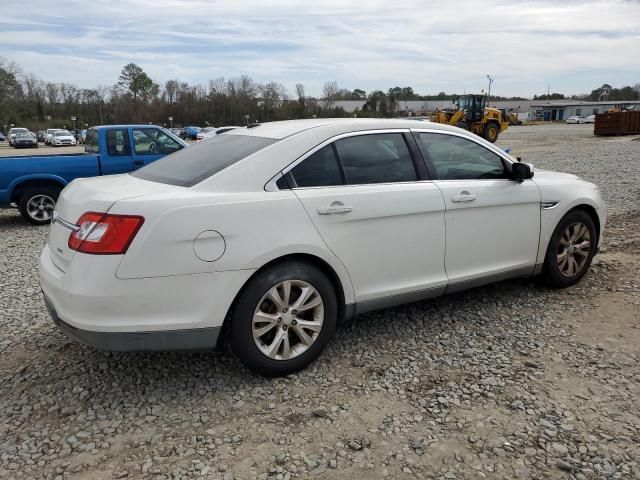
61 138
280 231
575 119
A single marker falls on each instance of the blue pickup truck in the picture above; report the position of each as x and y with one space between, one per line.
33 183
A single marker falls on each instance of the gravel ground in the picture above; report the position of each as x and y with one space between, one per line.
507 381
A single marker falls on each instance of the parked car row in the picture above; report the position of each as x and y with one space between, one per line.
579 119
56 137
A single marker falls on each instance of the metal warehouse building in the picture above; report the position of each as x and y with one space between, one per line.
563 109
554 110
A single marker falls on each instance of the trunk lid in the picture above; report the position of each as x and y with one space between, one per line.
95 194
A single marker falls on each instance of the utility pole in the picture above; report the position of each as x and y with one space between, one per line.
490 78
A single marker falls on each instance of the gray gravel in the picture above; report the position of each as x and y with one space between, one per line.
507 381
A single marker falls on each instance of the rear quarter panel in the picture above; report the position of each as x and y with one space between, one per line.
257 228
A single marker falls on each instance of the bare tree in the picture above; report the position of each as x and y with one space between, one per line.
329 94
171 90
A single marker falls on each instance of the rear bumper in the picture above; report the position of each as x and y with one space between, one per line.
91 305
162 340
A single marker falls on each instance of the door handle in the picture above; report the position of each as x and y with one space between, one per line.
335 207
463 197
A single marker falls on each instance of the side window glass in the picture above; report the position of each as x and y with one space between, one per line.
91 142
456 158
377 158
318 170
152 141
118 143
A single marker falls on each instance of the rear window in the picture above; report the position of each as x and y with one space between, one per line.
197 162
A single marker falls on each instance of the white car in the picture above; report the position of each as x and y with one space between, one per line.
61 138
48 138
590 119
575 119
219 130
287 228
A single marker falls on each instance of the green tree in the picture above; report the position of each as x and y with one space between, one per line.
138 83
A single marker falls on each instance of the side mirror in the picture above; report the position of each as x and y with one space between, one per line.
521 171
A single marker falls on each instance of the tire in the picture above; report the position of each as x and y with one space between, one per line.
46 196
491 131
280 322
558 275
463 125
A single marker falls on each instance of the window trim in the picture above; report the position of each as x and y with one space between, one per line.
432 169
422 174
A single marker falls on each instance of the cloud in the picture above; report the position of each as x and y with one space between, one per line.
431 46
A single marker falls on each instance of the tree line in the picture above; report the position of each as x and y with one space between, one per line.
28 101
605 93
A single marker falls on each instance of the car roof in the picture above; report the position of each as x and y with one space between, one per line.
133 125
286 128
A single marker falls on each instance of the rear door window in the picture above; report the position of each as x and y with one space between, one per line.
318 170
197 162
376 158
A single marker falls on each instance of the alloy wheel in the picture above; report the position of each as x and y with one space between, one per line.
574 248
288 320
40 207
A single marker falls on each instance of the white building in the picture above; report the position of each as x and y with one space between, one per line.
563 109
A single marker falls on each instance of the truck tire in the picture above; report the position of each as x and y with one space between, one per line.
36 204
491 132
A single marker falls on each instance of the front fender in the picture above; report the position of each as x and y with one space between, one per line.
550 217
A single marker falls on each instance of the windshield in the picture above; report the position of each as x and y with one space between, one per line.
193 164
18 130
61 133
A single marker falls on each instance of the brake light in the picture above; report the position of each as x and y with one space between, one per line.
105 234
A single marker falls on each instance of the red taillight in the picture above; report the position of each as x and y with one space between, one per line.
105 234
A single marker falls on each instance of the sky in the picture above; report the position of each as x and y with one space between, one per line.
573 46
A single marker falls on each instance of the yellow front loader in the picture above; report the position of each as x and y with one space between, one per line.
471 114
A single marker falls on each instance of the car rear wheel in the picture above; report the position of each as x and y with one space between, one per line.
571 250
284 318
37 204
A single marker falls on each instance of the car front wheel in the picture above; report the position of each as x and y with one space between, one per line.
571 250
284 318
